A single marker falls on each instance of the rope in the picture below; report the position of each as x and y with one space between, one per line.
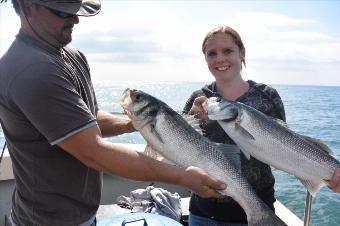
3 151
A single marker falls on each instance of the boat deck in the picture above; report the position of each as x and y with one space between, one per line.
281 211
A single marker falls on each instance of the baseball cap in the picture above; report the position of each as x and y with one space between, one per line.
74 7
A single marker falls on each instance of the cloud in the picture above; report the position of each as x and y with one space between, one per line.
279 48
122 58
118 46
280 38
272 19
305 36
266 35
130 45
162 40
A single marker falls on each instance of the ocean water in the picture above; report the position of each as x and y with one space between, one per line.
311 110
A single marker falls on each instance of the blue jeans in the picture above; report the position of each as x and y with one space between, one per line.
195 220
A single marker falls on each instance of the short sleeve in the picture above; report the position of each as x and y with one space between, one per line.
50 101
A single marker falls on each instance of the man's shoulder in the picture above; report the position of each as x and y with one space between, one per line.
19 60
77 55
74 52
20 55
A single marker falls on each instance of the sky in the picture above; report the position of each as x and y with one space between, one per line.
287 42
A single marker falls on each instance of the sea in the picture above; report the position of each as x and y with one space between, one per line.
310 110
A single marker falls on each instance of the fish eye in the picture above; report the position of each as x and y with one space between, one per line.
138 96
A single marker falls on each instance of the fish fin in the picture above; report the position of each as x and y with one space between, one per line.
232 152
313 187
319 143
243 131
152 153
154 131
280 122
246 154
193 122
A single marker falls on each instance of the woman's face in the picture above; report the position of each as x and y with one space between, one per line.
223 57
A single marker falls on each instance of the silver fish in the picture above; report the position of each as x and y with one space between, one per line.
169 133
271 142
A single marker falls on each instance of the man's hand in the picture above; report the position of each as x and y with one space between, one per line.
113 125
335 181
197 108
201 183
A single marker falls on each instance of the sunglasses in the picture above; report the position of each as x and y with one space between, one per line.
60 14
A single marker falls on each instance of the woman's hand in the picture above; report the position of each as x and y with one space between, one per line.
197 108
334 183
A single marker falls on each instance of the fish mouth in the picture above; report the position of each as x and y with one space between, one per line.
211 107
125 101
126 94
211 103
218 109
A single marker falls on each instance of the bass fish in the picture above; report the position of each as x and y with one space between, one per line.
173 137
270 141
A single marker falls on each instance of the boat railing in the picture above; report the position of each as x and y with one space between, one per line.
308 209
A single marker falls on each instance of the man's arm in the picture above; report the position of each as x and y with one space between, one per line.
89 147
111 125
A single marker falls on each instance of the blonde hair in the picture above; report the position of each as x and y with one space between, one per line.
226 30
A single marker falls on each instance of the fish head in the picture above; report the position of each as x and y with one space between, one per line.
221 109
140 107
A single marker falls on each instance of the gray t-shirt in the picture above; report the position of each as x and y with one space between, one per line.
46 95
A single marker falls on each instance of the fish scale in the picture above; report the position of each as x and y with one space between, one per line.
168 133
292 142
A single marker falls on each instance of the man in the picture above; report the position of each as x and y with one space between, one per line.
54 129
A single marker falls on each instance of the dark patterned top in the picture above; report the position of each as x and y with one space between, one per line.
265 99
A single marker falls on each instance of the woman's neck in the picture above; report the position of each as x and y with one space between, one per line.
231 90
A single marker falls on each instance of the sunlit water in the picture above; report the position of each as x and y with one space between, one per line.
310 110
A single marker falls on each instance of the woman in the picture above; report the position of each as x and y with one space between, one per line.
224 53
